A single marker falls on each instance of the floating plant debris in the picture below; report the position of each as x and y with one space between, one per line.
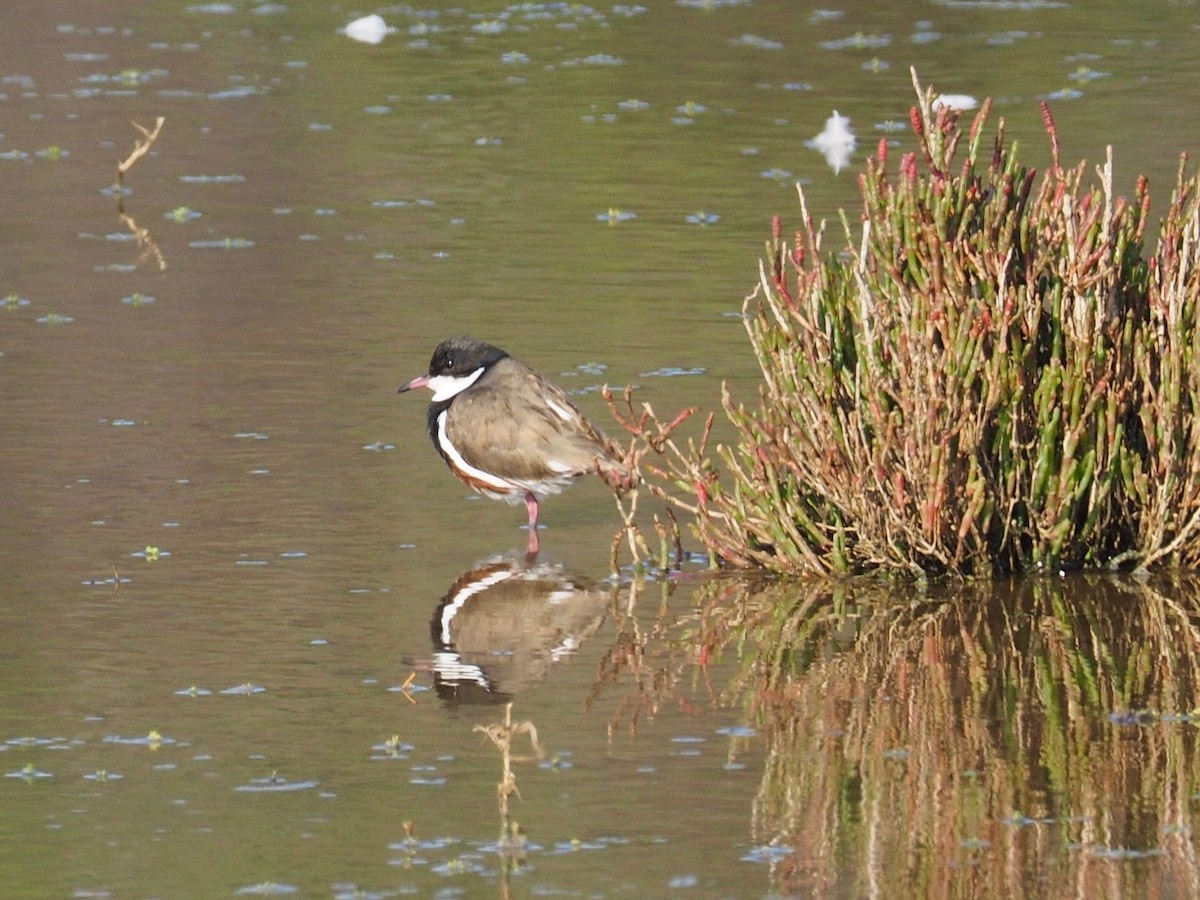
274 784
673 372
211 179
244 690
614 215
193 691
859 41
181 214
153 739
103 775
759 43
29 773
223 244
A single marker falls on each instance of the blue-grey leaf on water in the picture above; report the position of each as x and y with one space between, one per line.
182 214
758 43
211 179
1066 93
426 781
29 773
105 581
777 174
244 690
230 243
14 301
413 688
490 27
462 865
153 739
673 372
558 761
614 215
1007 38
1005 5
596 59
274 784
712 4
137 299
514 57
55 319
193 691
703 217
266 889
223 9
767 853
1084 74
859 41
103 775
237 92
31 741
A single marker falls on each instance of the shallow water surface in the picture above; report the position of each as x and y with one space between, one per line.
249 621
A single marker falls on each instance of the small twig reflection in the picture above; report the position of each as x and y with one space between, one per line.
512 839
142 235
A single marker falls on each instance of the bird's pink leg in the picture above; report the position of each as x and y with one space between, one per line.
531 504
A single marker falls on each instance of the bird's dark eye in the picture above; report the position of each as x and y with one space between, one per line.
450 362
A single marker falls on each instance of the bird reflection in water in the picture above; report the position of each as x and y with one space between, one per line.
503 625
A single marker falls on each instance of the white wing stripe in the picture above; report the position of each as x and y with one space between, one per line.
465 467
564 413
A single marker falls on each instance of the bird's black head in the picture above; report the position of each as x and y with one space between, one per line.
459 356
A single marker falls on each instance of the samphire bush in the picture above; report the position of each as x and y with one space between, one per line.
991 376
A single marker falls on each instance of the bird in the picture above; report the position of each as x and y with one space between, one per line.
507 432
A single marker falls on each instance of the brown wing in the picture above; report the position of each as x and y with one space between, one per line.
529 427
